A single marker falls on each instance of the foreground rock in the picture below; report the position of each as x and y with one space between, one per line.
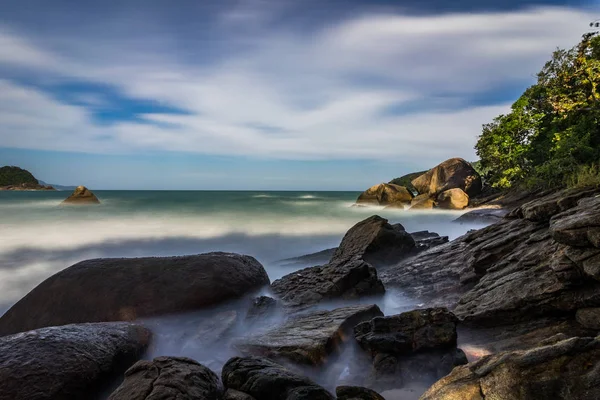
67 362
416 346
309 339
265 380
483 216
356 393
128 288
385 194
169 378
451 174
567 370
81 195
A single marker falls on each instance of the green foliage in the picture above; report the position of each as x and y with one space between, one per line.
586 176
406 180
15 176
552 132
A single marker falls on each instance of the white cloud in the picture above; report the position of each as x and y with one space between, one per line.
322 95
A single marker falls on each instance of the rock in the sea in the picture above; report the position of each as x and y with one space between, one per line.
385 194
356 393
567 370
122 289
231 394
264 379
422 202
453 199
589 317
262 307
68 362
169 378
309 339
451 174
425 240
81 195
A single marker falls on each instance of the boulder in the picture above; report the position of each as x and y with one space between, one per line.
68 362
425 240
264 379
568 370
451 174
308 339
385 194
589 318
81 195
422 202
356 393
453 199
169 378
231 394
262 307
128 288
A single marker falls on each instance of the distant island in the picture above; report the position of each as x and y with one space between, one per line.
15 178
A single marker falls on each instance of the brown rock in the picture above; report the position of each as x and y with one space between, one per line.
452 173
81 195
453 199
422 202
384 194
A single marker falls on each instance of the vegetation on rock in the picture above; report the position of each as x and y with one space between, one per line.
16 176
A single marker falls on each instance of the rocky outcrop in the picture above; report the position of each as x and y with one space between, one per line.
385 194
589 318
483 216
81 195
24 187
568 370
264 379
128 288
356 393
419 345
262 307
422 202
169 378
453 199
451 174
309 339
67 362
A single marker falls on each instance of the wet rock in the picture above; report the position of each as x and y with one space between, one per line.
356 393
262 307
67 362
385 194
453 199
264 379
81 195
483 216
422 202
569 370
309 339
589 318
580 225
425 240
231 394
169 378
128 288
451 174
212 329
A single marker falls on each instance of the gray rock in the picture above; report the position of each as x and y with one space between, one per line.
589 318
123 289
356 393
169 378
262 307
68 362
231 394
483 216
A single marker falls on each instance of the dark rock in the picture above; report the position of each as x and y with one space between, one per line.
309 339
67 362
425 240
453 199
422 202
568 370
356 393
231 394
213 328
543 208
483 216
169 378
589 318
125 289
580 225
385 194
318 258
451 174
81 195
262 307
264 379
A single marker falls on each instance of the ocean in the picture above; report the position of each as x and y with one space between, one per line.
38 237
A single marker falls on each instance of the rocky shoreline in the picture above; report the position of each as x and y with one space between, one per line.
509 311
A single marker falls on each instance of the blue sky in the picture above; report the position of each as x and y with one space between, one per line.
262 94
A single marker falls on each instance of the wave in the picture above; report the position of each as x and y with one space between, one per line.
308 196
263 196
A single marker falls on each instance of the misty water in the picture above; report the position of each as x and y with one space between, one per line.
38 238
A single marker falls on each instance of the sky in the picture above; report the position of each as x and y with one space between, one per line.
263 94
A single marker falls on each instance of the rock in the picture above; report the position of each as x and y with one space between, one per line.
589 318
580 225
422 202
169 378
318 258
385 194
356 393
541 209
396 206
375 241
309 339
262 307
264 379
231 394
567 370
483 216
425 240
453 199
213 329
81 195
67 362
128 288
451 174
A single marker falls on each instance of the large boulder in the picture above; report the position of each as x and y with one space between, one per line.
451 174
422 202
81 195
356 393
309 339
122 289
265 380
68 362
453 199
568 370
169 378
385 194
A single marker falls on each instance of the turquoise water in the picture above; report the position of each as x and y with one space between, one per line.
38 237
